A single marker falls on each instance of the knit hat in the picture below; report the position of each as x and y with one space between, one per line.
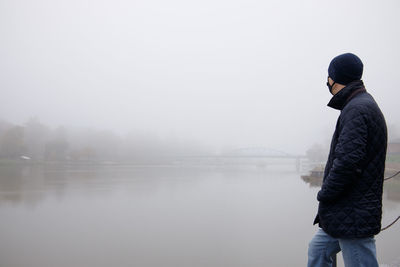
345 68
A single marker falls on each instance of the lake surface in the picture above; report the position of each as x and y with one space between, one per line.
84 216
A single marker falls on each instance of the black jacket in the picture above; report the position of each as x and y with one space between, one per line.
350 199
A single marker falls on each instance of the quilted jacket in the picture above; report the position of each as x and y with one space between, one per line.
350 199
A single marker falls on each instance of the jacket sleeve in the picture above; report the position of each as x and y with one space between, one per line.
349 155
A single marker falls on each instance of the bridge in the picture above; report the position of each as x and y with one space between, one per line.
260 152
250 156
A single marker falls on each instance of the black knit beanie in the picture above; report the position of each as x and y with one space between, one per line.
345 68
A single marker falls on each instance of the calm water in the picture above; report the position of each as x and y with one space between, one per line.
164 216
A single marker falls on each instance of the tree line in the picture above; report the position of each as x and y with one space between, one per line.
35 141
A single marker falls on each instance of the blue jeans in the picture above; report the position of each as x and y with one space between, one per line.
357 252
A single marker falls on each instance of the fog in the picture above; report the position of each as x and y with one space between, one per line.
222 73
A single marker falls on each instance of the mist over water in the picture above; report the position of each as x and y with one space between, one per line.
174 133
163 216
223 73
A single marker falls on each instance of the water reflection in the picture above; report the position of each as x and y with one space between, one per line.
391 187
157 216
16 184
30 184
150 216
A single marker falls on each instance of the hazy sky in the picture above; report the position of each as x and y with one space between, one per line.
240 73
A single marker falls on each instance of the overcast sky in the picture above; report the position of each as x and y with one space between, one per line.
238 73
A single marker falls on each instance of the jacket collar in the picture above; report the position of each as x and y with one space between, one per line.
340 100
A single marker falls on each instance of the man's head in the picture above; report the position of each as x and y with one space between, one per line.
342 70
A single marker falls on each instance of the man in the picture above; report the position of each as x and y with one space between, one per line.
350 199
